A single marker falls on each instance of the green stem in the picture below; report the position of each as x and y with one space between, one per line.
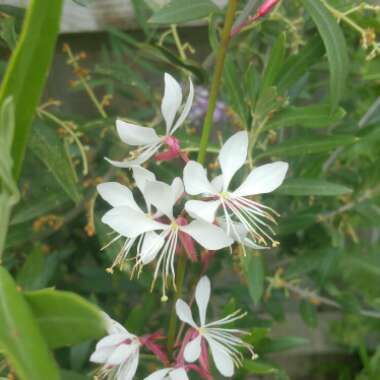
181 265
230 16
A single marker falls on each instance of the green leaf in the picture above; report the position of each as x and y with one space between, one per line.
9 194
29 276
275 62
21 340
259 367
65 318
253 265
178 11
47 146
294 223
300 146
316 116
27 70
283 344
298 65
8 30
233 88
335 45
305 186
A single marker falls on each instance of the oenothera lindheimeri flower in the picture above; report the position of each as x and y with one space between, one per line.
117 196
224 343
147 141
255 217
118 352
168 374
158 237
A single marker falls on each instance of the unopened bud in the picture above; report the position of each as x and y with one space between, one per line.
266 7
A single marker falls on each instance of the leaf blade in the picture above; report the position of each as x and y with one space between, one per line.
180 11
65 318
20 337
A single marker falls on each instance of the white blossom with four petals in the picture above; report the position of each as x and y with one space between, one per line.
224 343
254 216
118 352
147 141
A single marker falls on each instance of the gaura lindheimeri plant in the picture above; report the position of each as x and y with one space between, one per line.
223 342
119 351
161 228
146 139
236 204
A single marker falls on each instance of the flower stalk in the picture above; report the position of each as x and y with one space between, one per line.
181 265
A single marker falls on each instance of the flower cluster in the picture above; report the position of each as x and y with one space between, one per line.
169 221
119 351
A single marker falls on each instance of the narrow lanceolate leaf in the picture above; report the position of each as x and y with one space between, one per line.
65 318
28 67
296 66
299 147
316 116
48 147
275 62
253 265
318 187
21 340
178 11
336 47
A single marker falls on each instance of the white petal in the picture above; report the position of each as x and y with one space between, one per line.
186 108
177 188
202 296
195 179
133 134
117 195
151 246
222 359
101 355
178 374
112 340
121 354
193 350
142 176
158 375
114 327
263 179
128 370
160 195
129 222
207 235
144 156
233 155
217 183
202 209
171 101
184 313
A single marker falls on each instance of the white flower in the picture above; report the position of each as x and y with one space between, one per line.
145 138
168 374
131 222
222 341
118 352
253 215
118 195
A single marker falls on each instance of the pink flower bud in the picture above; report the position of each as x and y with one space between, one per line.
266 7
